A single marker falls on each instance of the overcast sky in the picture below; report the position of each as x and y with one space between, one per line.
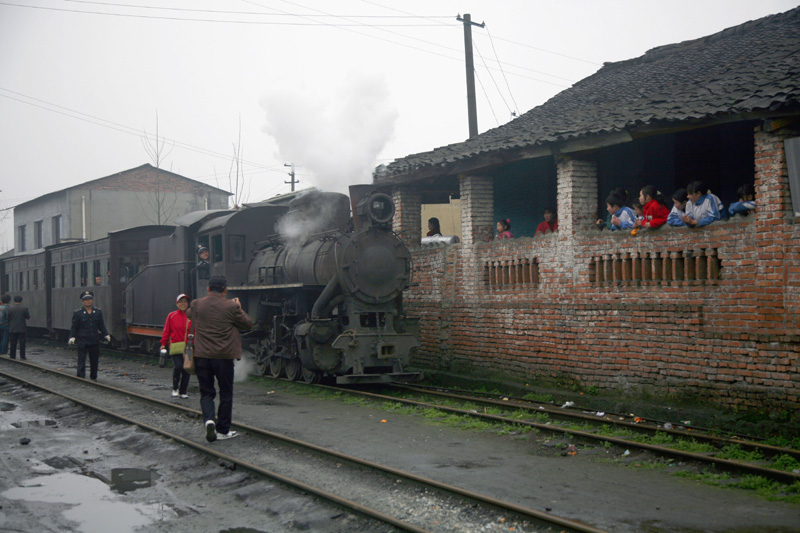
335 87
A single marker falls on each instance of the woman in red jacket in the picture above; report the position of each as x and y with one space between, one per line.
174 336
654 209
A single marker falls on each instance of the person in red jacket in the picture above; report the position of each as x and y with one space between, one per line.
654 209
550 223
174 336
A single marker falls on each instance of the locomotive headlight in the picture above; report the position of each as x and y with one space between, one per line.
381 208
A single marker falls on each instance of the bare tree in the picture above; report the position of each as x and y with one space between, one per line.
160 201
236 179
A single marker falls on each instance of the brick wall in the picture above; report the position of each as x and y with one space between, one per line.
708 312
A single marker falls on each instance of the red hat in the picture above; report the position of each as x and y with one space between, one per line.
178 299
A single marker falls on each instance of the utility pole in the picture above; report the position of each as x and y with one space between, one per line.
292 181
472 111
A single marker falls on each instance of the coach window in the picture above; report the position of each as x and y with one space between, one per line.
36 279
97 273
216 248
236 248
84 273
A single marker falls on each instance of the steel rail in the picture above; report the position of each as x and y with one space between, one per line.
329 496
523 511
565 413
779 475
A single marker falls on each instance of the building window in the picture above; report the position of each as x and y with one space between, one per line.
56 229
21 238
37 235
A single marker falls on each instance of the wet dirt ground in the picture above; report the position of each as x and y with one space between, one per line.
62 479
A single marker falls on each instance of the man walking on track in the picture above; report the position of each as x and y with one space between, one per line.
216 322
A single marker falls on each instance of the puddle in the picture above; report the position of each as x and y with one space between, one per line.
94 507
127 479
12 416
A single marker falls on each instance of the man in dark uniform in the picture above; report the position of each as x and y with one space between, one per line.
87 328
203 267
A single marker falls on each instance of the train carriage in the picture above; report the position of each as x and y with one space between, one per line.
25 276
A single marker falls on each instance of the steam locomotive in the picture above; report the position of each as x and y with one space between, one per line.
325 292
328 297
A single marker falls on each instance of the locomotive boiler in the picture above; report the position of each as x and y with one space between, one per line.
327 293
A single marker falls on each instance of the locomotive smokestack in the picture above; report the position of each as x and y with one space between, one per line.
357 193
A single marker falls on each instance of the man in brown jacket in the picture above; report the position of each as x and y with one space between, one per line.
217 322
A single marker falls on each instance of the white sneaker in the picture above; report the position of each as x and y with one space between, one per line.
184 396
175 393
229 435
211 431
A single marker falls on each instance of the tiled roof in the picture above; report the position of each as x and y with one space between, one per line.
750 70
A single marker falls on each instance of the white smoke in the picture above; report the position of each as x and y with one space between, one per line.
244 367
333 133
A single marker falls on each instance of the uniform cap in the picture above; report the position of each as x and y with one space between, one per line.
201 249
178 299
85 295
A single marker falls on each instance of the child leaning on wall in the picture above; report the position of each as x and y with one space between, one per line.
623 195
703 207
504 229
679 201
747 201
654 210
622 217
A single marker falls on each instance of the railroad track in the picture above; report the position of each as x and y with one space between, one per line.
363 487
626 431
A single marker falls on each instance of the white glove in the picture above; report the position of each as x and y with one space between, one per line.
163 351
108 338
71 341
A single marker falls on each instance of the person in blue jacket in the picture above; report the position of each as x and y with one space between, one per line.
747 201
622 216
703 207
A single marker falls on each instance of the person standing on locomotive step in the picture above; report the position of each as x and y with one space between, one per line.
87 328
217 322
18 327
5 308
174 336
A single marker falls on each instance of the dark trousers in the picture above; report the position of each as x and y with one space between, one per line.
94 359
4 335
18 338
222 370
180 377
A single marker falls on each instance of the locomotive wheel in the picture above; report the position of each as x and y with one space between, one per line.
311 376
261 368
293 368
275 366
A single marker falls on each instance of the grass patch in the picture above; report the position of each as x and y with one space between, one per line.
736 453
763 487
540 398
786 463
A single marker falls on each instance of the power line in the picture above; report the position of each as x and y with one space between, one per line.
510 94
182 19
314 23
449 48
258 13
499 38
116 126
